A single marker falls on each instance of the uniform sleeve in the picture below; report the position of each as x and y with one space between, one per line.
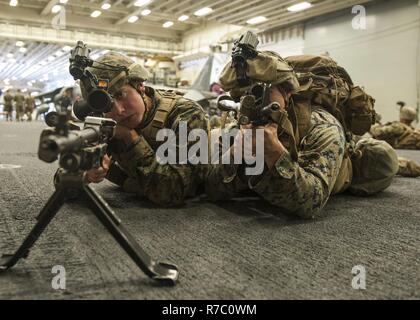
164 184
303 187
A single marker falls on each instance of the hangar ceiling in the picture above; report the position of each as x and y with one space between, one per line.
48 27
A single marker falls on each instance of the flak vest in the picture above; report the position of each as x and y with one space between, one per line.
293 125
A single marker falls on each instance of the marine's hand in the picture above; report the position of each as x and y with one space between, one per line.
96 175
273 148
126 134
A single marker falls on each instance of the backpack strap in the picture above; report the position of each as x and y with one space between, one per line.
166 103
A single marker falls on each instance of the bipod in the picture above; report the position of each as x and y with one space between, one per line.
69 186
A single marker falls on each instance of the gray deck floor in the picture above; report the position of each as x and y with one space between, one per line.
241 249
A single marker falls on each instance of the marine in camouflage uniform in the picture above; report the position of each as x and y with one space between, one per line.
399 134
406 167
303 187
20 105
29 106
135 167
8 105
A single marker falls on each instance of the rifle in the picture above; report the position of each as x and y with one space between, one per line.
80 150
254 107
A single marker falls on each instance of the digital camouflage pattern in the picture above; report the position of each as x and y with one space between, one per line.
29 106
323 166
397 134
8 102
138 170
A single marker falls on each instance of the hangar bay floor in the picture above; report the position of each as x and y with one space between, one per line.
241 249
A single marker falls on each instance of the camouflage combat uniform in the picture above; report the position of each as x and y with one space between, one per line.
397 134
8 105
29 107
138 170
323 167
135 167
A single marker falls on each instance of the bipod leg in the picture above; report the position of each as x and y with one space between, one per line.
162 272
49 211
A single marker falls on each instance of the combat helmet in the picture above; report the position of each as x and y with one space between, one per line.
267 67
116 78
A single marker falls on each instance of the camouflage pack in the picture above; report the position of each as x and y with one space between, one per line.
326 84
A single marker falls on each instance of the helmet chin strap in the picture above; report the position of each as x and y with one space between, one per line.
143 97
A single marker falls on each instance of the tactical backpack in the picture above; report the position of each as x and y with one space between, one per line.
326 84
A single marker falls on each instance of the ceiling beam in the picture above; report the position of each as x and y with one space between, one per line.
48 7
218 14
218 10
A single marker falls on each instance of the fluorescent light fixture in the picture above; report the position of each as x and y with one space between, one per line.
67 48
29 83
106 6
24 90
43 63
141 3
203 11
183 17
13 3
299 6
58 53
35 93
56 8
23 49
95 14
9 55
133 19
19 43
168 24
256 20
50 58
145 12
64 1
